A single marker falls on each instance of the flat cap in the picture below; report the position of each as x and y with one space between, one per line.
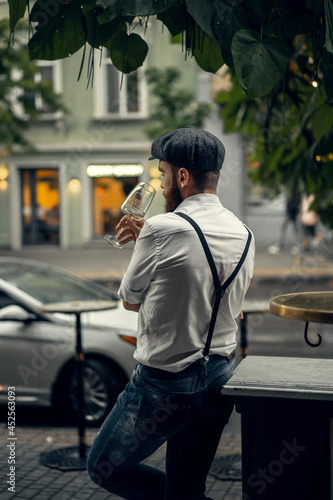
189 147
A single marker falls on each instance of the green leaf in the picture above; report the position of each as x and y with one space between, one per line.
59 32
284 17
311 106
107 4
328 81
99 33
127 52
259 64
315 5
226 23
173 18
328 174
322 121
299 23
295 151
202 13
322 147
329 25
208 56
277 157
106 16
16 12
136 7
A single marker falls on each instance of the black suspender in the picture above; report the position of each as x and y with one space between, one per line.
219 289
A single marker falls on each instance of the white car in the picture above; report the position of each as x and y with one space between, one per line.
37 351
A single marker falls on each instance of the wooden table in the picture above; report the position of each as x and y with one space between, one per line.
286 407
78 461
314 307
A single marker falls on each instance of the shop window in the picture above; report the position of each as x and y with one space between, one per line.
40 206
109 193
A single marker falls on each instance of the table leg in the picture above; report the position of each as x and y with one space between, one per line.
72 457
243 339
79 362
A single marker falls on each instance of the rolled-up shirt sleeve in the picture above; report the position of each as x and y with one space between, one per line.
141 268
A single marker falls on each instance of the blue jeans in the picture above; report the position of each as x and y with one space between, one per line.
185 409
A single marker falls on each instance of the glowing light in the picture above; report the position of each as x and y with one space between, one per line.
115 170
156 183
3 185
154 172
3 173
314 84
318 158
74 186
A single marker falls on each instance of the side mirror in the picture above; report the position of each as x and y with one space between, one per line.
15 313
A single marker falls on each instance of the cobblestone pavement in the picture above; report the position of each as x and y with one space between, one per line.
36 481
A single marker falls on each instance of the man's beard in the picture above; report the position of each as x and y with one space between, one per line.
173 198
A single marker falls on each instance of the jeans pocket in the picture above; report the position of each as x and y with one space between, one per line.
161 415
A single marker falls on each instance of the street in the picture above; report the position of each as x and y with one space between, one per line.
270 335
267 335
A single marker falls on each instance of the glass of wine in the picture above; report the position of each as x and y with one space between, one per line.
135 205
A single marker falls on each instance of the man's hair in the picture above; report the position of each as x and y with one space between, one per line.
203 179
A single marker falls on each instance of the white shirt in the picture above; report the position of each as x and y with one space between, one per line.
170 276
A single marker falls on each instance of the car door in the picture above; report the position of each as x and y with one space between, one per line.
32 349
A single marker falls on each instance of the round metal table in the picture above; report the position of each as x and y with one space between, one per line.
316 307
75 458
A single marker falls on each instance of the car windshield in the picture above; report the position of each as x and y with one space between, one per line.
49 285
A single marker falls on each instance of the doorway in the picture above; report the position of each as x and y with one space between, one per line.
40 206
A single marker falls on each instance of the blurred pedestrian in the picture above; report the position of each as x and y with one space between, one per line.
291 218
309 223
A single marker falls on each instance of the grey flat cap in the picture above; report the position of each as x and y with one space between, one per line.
189 147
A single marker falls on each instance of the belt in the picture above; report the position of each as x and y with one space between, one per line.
230 356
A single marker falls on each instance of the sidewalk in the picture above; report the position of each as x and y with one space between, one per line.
102 262
35 481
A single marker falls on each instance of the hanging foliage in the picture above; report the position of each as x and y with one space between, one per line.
280 53
289 137
253 36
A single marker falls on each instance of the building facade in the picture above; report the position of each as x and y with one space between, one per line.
69 190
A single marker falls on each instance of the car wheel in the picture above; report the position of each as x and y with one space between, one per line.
102 384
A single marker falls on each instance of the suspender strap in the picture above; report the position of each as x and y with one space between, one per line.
219 289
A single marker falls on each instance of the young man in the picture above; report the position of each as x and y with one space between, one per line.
175 392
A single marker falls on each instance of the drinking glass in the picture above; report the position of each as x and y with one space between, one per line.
136 206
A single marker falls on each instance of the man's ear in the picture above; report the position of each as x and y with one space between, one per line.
183 176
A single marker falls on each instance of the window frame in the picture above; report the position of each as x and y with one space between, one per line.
101 92
56 85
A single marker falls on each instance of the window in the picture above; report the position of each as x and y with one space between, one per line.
117 95
40 206
108 194
49 71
